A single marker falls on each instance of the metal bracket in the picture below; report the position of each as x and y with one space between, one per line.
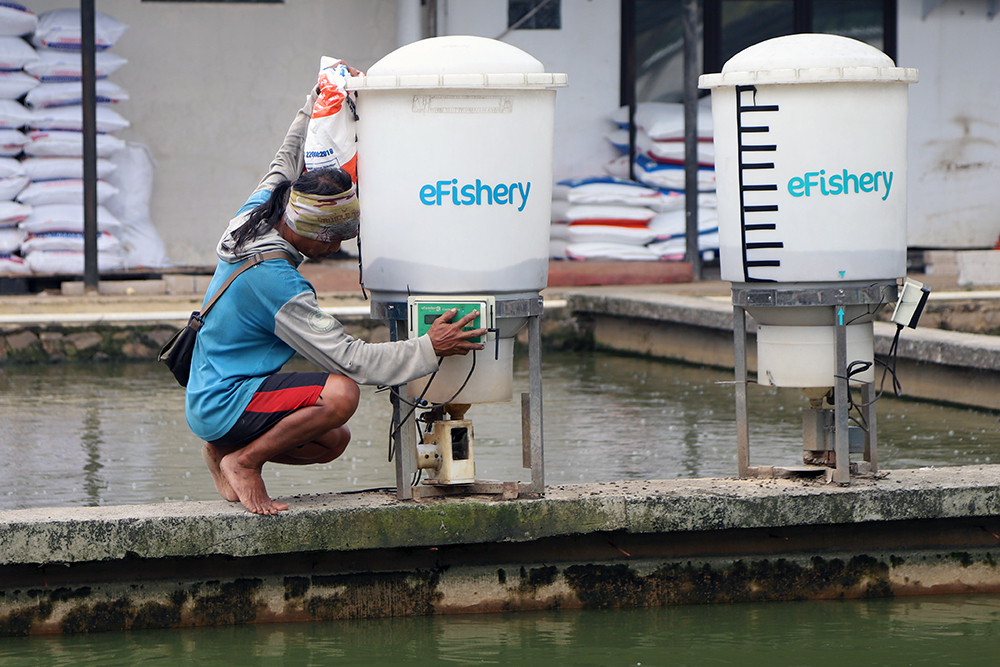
404 431
842 432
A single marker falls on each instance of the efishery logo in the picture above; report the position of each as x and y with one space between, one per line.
803 186
478 194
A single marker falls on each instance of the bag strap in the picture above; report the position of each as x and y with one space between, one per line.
248 263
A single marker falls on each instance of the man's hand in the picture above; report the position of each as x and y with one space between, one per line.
448 337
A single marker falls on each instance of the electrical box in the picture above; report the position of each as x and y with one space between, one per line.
910 304
423 310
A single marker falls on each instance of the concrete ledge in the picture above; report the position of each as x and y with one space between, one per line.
625 544
938 365
929 345
935 346
344 522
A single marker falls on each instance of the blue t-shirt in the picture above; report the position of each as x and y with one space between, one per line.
237 348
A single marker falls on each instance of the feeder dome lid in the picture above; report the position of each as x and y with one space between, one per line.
457 61
808 58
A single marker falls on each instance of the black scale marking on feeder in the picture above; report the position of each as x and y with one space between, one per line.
750 123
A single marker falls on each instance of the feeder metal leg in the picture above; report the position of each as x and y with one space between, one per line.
404 440
535 404
871 437
742 424
842 448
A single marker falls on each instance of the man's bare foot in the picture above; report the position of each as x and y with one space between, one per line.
248 485
212 456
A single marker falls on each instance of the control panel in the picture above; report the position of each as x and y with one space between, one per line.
423 310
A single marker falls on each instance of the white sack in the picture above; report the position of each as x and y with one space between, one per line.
12 212
12 186
71 93
13 264
64 66
618 167
60 29
668 176
51 168
12 142
68 261
71 118
674 223
15 84
626 214
610 251
11 167
559 231
559 209
69 144
10 240
557 249
141 243
625 194
665 120
66 241
13 114
66 218
331 138
610 234
677 247
15 53
16 20
63 191
672 151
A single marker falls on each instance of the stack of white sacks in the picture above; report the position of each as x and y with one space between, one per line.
612 217
41 144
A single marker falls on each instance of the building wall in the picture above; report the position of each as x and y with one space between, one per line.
213 88
954 124
214 85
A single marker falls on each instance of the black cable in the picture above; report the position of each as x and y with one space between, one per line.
372 490
853 369
467 378
413 408
869 311
893 354
860 366
419 402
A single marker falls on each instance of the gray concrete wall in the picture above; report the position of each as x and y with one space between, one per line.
954 136
946 366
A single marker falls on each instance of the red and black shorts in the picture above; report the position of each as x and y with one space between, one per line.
277 397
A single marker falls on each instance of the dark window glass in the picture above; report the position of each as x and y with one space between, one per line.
659 51
534 15
747 22
274 2
860 19
733 25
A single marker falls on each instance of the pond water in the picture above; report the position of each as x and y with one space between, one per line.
106 434
103 434
888 633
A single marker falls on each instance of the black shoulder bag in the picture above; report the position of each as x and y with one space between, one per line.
176 354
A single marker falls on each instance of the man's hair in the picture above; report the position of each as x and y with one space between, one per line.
326 181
